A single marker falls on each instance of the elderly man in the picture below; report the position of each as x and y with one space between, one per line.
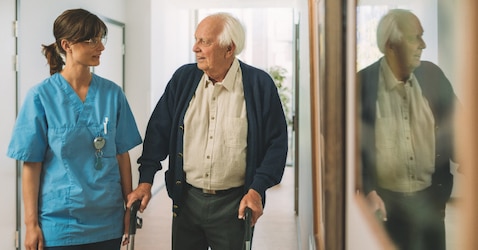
407 135
221 123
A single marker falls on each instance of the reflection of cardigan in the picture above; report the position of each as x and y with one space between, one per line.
439 93
266 133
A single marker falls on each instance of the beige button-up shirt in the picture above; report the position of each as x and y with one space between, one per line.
215 133
405 134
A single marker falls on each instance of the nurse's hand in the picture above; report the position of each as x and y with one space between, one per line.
143 193
33 238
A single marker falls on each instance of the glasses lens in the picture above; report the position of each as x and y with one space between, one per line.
104 40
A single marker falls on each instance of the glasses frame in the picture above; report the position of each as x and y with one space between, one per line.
95 42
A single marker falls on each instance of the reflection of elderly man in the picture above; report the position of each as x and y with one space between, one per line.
407 135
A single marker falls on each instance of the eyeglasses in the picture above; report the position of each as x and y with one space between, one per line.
95 42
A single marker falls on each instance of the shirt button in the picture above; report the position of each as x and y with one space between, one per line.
207 174
208 157
212 118
411 158
180 155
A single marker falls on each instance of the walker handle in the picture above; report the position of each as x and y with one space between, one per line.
134 221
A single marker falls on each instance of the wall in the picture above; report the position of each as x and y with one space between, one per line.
305 178
138 66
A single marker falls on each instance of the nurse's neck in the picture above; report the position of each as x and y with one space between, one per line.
79 80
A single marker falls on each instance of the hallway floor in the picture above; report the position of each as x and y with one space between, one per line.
276 229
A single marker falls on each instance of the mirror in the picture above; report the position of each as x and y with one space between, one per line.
408 94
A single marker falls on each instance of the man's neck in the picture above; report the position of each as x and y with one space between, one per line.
401 73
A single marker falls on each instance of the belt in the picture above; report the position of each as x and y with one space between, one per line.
421 193
214 192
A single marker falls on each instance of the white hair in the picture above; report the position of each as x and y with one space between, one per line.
233 32
388 29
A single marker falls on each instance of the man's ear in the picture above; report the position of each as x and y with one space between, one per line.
389 45
231 48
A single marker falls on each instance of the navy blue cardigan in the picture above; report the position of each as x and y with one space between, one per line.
440 95
267 139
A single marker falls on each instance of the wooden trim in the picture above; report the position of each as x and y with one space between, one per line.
333 106
467 134
315 126
326 23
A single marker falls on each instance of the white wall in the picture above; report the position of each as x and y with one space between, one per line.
305 219
172 33
138 64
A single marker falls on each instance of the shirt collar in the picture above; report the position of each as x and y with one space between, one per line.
391 81
228 82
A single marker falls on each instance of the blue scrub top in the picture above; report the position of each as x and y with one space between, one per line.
78 204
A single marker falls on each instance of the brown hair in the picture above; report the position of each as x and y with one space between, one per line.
75 25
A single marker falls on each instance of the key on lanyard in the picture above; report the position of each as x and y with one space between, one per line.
99 143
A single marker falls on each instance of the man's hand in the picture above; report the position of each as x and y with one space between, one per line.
377 206
252 200
143 193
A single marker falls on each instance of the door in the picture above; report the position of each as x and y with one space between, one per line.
8 174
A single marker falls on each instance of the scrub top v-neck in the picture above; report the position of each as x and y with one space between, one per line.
78 203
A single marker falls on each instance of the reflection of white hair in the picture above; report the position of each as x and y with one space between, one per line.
233 32
388 29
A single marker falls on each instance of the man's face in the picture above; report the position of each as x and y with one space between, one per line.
409 51
210 56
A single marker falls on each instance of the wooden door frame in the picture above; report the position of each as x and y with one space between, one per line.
328 111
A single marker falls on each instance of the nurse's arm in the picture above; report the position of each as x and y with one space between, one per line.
31 186
125 173
124 163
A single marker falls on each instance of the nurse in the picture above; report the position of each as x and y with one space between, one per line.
73 134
